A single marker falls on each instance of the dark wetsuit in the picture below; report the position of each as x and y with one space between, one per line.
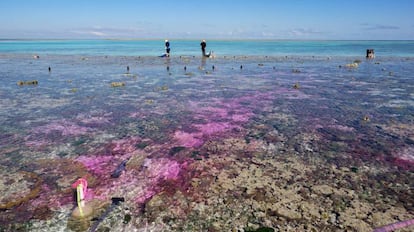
167 48
203 47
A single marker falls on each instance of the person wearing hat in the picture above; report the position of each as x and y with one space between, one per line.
167 48
203 47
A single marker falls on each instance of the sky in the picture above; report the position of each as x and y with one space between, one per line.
210 19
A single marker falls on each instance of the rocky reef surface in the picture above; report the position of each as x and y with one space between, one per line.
281 144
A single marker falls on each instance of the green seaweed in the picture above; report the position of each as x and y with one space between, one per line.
354 169
127 218
260 229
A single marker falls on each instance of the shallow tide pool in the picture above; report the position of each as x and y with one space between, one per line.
236 142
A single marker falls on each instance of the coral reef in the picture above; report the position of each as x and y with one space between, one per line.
188 139
268 191
33 82
55 132
231 149
117 84
18 188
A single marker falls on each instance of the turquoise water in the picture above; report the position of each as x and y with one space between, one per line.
192 47
256 105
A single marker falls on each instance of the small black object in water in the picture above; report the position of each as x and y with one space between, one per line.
115 202
121 167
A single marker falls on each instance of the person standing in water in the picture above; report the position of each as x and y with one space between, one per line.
167 48
203 47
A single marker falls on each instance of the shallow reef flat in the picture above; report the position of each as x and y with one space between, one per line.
233 143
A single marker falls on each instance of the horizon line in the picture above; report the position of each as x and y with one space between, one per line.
192 39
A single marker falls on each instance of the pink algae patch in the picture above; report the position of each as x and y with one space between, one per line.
99 165
40 134
220 116
188 139
145 196
214 127
224 110
133 183
195 139
213 111
406 154
125 146
162 168
51 198
157 170
241 117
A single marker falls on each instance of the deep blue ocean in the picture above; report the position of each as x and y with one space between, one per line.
220 47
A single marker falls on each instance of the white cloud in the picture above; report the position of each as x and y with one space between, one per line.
301 32
97 33
374 27
267 34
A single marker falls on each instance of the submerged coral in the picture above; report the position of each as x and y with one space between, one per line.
228 150
33 82
18 188
64 127
188 139
117 84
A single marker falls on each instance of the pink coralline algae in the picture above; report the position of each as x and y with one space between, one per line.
145 196
241 117
98 165
212 111
405 158
138 183
214 127
220 116
195 139
157 170
125 146
188 139
162 168
407 154
230 111
39 135
234 110
52 198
